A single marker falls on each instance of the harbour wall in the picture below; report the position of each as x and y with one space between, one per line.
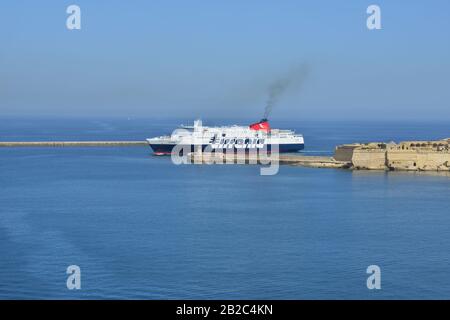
72 143
290 159
404 156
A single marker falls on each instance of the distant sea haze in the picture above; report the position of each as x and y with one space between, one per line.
140 227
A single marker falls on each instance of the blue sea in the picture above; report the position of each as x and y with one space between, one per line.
140 227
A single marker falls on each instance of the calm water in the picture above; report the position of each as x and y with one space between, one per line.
140 227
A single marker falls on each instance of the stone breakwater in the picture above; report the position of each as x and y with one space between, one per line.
291 159
403 156
73 143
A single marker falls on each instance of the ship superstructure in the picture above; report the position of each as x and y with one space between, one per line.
256 136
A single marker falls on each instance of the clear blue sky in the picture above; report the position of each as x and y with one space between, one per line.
216 58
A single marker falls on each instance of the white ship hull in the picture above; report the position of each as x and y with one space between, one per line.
258 136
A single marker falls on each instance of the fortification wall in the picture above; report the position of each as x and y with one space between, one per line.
371 159
434 161
344 152
410 156
402 160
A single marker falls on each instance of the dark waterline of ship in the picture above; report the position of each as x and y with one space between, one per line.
140 227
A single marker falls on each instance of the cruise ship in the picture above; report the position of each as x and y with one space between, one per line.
256 136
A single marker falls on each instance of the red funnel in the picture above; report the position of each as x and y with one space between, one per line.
261 125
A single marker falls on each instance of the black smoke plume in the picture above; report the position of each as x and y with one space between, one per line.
295 77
